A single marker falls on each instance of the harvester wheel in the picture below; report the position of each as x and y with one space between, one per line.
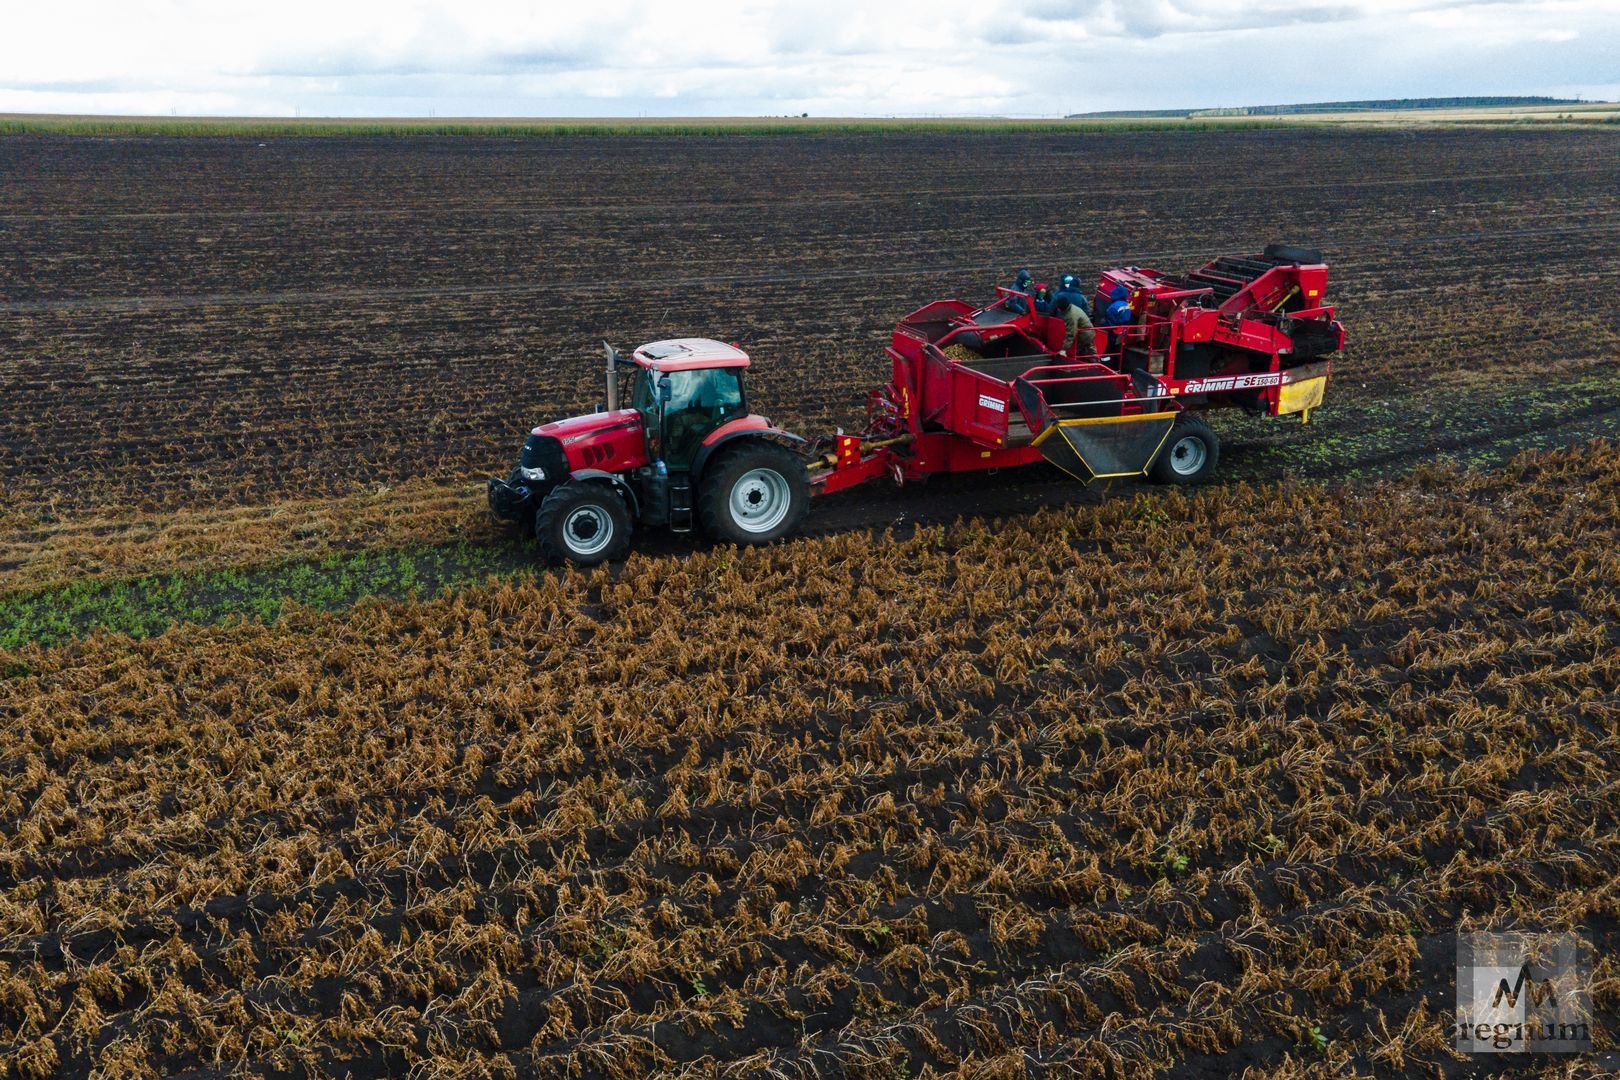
1189 455
753 493
583 523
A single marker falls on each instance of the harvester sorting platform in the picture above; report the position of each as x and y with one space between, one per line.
970 388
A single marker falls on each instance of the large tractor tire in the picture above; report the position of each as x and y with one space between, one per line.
583 523
1189 455
753 493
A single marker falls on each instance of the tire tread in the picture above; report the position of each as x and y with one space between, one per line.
1186 424
715 487
565 497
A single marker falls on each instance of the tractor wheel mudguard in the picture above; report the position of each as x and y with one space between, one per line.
769 434
617 482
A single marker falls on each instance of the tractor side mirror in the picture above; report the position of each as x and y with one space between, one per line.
664 391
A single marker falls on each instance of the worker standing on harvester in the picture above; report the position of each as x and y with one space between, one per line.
1069 286
1117 313
1069 303
1022 283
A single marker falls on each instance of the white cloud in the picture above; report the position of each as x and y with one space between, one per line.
843 57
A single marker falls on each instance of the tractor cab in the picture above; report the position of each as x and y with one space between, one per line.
683 391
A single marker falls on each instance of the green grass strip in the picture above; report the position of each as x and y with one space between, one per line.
188 127
143 607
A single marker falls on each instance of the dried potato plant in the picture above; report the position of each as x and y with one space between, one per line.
1164 784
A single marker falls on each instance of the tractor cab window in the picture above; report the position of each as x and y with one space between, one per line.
699 402
629 383
639 389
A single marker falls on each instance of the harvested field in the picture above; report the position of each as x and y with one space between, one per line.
992 777
986 799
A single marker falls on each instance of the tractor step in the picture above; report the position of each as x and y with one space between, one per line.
680 504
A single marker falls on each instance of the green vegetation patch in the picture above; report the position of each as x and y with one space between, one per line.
1356 436
143 607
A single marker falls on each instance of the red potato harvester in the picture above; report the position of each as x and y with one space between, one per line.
970 388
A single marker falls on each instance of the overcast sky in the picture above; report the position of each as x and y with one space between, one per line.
827 58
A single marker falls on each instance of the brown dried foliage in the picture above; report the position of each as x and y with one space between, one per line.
1160 784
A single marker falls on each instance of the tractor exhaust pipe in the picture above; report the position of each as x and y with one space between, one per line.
612 377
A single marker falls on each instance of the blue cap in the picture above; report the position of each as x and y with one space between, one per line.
1068 281
1120 292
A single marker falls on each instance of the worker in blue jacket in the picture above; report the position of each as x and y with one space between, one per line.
1116 307
1116 311
1069 289
1023 282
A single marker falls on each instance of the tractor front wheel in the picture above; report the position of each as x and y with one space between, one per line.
583 523
754 493
1189 455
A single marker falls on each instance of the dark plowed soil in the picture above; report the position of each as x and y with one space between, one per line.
184 322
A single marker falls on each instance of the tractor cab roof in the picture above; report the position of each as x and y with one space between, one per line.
685 354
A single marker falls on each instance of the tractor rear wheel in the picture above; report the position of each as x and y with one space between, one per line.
583 523
1189 455
755 492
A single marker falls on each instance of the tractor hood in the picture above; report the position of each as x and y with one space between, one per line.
609 441
583 425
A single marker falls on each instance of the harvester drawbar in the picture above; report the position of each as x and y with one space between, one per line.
970 388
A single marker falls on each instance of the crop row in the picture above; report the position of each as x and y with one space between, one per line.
234 419
200 323
1181 781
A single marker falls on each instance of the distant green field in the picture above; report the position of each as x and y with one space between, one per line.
112 126
542 128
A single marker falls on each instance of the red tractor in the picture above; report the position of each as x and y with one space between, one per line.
971 388
684 451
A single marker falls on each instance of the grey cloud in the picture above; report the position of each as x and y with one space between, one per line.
1015 32
81 86
1035 57
1063 10
519 62
1151 20
799 33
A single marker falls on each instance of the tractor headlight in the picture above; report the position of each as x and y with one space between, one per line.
535 473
